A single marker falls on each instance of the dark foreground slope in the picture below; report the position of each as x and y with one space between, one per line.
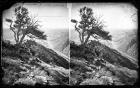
97 64
31 64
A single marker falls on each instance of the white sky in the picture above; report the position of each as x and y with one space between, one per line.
55 16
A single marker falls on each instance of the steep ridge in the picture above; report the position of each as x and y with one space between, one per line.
108 54
48 54
32 64
97 64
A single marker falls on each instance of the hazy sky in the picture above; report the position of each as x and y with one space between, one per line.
56 16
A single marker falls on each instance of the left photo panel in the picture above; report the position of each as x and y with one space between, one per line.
35 44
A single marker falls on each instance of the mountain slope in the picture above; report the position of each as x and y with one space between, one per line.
97 64
60 40
32 63
127 42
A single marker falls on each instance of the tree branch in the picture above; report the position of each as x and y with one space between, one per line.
12 28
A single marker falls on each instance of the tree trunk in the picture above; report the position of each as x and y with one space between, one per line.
15 34
79 35
15 38
82 37
87 39
22 38
19 29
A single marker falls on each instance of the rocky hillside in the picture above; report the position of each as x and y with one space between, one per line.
97 64
32 64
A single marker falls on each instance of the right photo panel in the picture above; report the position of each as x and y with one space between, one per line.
103 44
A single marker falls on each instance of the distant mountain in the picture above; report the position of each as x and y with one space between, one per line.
127 43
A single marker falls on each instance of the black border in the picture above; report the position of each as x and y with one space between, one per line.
5 4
